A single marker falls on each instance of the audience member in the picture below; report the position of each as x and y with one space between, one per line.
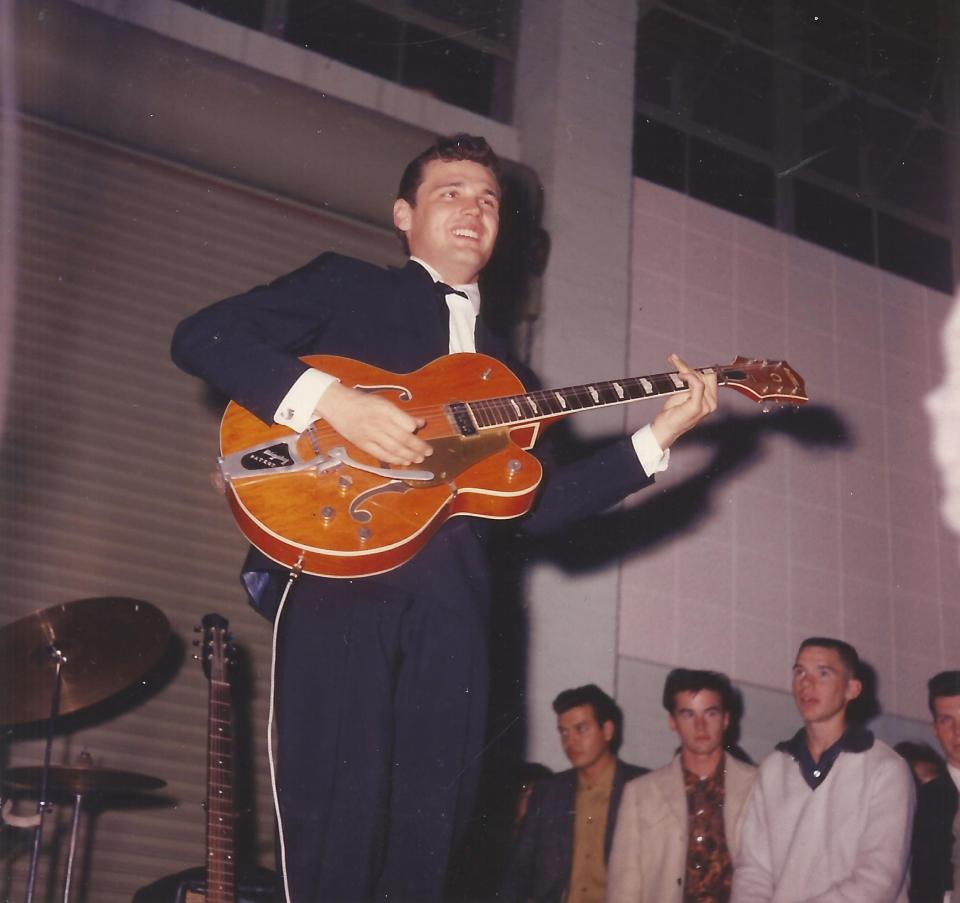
925 762
528 775
932 870
565 840
679 827
830 814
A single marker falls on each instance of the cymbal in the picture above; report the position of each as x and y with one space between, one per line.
106 644
82 780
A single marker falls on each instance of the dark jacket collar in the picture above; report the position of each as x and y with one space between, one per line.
855 739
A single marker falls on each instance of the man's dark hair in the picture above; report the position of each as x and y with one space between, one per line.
848 655
946 683
604 708
473 148
688 680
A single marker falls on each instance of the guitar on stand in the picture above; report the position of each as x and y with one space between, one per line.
220 880
221 814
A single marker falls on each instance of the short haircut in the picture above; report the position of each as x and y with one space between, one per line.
473 148
688 680
946 683
848 655
604 708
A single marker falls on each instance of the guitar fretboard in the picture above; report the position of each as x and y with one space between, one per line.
543 403
221 878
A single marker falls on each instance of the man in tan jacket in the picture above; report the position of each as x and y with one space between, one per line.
679 826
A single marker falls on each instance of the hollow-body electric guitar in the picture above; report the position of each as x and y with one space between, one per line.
314 502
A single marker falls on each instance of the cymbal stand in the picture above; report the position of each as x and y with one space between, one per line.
58 658
74 829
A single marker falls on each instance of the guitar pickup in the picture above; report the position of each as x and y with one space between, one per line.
460 418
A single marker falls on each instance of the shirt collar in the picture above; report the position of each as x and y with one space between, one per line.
470 289
855 739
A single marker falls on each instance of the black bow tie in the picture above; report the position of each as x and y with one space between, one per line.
445 290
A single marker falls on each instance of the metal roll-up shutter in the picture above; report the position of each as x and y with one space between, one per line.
106 457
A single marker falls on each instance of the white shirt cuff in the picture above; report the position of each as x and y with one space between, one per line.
653 459
296 410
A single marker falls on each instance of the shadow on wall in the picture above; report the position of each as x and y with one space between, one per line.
737 442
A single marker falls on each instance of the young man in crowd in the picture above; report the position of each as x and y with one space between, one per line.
679 827
830 814
564 843
934 828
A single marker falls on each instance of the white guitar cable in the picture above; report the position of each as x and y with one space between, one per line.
294 573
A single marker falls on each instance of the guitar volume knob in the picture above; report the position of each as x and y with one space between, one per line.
327 513
513 468
364 534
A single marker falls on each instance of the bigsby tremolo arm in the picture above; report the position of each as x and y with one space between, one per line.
284 456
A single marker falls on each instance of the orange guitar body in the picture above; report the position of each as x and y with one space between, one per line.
341 521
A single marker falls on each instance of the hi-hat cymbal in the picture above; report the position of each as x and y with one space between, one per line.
105 644
81 780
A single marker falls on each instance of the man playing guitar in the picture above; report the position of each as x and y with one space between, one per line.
382 680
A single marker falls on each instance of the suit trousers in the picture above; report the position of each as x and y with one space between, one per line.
381 705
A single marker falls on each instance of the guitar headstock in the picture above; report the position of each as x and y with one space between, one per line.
215 648
764 381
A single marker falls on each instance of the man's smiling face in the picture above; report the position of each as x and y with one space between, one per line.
454 224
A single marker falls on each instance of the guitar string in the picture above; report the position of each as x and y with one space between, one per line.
489 405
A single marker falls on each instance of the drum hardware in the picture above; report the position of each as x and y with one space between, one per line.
63 659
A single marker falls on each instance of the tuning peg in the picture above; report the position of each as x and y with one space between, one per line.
766 408
196 658
195 642
196 628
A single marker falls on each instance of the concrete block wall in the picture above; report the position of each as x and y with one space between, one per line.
842 537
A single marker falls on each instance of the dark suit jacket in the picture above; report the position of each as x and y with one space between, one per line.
931 871
543 853
248 346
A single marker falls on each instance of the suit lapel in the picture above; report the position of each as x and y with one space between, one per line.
426 310
675 795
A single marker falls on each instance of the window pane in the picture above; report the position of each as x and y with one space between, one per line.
493 19
658 153
914 253
447 69
728 180
833 221
248 13
349 32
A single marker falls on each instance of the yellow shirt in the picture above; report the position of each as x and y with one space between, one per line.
588 873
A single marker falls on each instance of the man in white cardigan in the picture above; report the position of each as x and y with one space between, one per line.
830 815
678 827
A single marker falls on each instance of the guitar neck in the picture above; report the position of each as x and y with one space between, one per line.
548 404
759 380
221 877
